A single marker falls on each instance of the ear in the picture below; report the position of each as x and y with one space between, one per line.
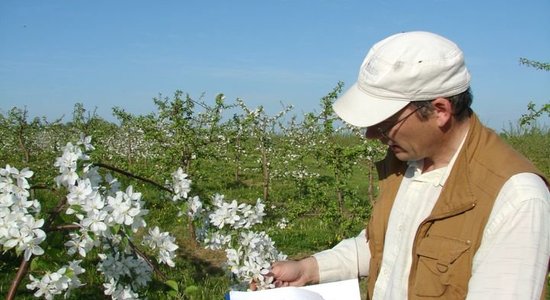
443 111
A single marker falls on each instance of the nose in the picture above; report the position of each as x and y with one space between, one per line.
372 133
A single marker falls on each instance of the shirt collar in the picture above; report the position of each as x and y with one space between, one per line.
438 176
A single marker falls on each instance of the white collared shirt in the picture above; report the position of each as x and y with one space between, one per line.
414 202
511 262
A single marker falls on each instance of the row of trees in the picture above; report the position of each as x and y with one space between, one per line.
219 145
301 166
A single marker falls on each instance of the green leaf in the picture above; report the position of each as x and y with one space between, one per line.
191 290
172 294
172 284
34 265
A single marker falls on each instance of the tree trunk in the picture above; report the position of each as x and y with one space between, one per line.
265 166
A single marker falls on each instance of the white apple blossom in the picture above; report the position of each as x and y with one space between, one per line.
180 184
217 241
79 243
112 183
194 207
251 215
218 199
164 243
67 165
91 172
124 293
94 202
110 286
6 201
125 269
249 254
18 227
22 185
95 221
48 286
226 213
126 208
85 141
251 261
79 192
56 283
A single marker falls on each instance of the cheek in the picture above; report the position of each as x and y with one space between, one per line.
413 145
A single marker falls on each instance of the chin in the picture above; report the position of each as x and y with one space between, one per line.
405 156
402 156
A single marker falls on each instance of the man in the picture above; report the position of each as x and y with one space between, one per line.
460 214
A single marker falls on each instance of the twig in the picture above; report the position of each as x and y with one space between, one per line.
65 227
146 258
115 169
23 268
42 187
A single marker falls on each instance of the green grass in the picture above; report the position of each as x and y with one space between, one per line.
534 143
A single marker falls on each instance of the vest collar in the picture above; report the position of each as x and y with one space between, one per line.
459 174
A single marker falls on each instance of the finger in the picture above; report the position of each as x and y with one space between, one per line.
280 283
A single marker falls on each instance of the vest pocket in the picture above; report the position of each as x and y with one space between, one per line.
436 256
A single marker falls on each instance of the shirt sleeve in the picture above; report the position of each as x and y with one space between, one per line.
512 260
348 259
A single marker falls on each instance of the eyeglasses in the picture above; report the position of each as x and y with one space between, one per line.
383 131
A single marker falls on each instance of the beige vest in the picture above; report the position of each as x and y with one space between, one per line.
447 240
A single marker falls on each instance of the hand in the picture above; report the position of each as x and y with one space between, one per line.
295 273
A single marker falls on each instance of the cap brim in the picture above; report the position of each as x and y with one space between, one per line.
362 110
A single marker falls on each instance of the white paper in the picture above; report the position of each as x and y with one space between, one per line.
346 289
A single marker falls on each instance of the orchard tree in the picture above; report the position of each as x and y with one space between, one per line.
263 128
534 112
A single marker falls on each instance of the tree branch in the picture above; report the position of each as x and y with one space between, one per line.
146 258
115 169
24 265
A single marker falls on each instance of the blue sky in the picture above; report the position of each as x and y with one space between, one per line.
54 54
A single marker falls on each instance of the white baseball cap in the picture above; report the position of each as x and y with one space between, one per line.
405 67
